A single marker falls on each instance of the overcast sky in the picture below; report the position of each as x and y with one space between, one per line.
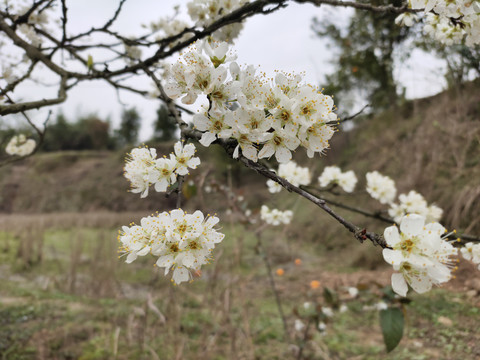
282 40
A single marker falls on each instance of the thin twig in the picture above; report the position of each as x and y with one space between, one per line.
351 117
304 340
261 251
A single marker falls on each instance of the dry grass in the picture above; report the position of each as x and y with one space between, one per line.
75 299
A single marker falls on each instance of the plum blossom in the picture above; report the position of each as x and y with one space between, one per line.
471 252
334 175
184 158
414 203
21 146
419 254
181 242
275 217
448 21
294 174
142 168
267 116
380 187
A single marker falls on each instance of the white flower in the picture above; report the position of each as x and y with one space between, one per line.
21 146
451 21
353 292
273 187
164 174
414 203
29 32
419 253
267 117
275 217
380 187
327 311
143 169
347 181
214 126
194 74
322 327
181 241
406 19
299 325
279 143
132 53
471 252
184 158
381 305
205 12
333 175
434 213
140 169
293 173
330 174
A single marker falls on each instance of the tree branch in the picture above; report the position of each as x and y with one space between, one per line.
361 6
21 107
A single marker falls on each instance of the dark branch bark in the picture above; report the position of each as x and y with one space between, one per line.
21 107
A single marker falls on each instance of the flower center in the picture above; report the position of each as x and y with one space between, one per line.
277 140
193 245
218 125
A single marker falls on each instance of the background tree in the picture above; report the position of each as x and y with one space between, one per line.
87 133
165 127
364 64
130 124
462 62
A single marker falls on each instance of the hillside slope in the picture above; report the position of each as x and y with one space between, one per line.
431 145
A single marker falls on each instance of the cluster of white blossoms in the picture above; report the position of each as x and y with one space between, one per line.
182 242
275 217
414 203
169 27
448 21
205 12
471 252
419 253
381 187
133 53
334 175
294 174
202 13
266 116
39 19
21 146
143 169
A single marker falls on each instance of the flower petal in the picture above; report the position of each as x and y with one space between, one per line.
412 224
391 235
399 284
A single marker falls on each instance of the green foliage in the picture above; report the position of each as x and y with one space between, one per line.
391 321
127 134
365 56
165 127
87 133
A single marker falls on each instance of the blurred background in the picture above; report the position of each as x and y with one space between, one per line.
66 294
